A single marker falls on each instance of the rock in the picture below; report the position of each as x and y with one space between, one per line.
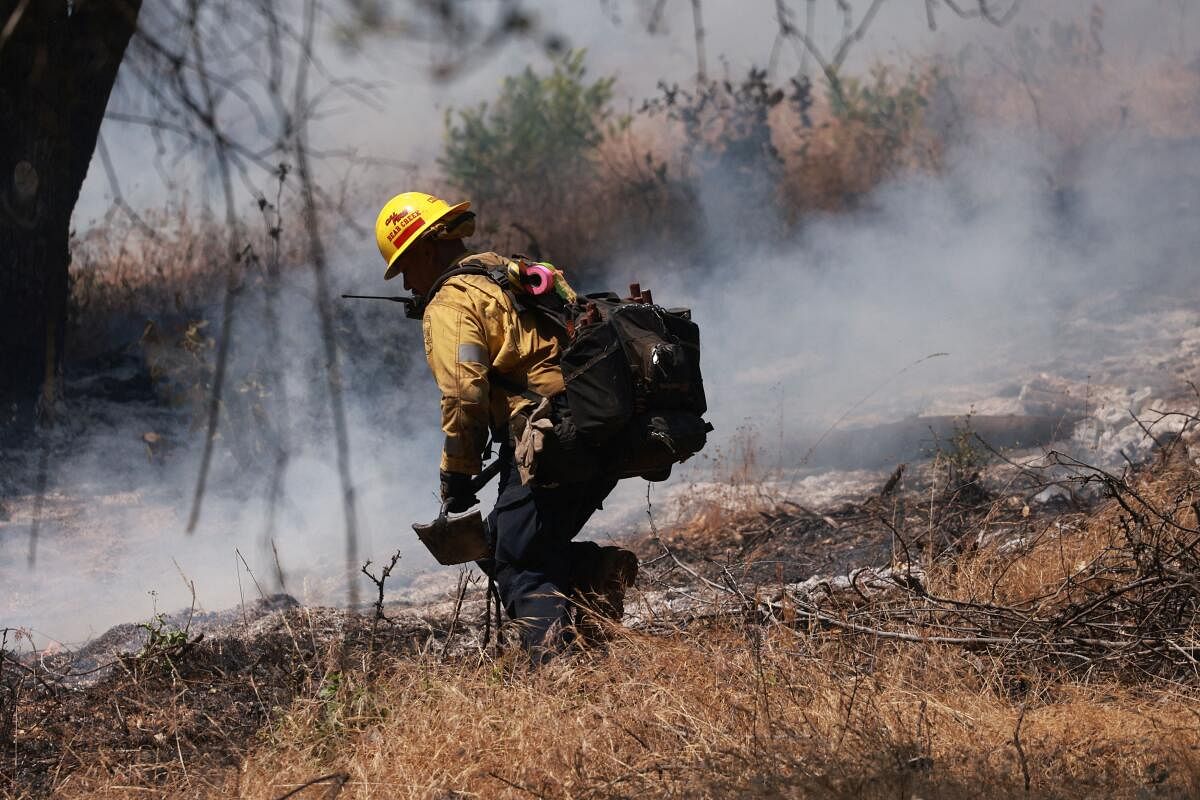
1049 395
1052 494
1138 401
868 581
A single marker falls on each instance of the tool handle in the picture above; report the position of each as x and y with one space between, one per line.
477 483
393 298
412 308
485 477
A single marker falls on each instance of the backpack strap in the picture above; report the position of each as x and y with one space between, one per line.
512 387
549 307
501 279
521 302
461 269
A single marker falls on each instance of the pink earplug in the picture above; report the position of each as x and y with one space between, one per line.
541 278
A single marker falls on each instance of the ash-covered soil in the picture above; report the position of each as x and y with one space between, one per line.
191 689
916 512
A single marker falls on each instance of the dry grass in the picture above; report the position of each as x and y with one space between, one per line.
721 713
724 705
1070 543
171 266
122 274
716 713
1068 100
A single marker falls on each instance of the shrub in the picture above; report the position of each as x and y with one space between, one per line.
871 128
880 114
557 175
728 145
537 140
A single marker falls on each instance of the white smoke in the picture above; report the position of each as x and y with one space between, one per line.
1085 279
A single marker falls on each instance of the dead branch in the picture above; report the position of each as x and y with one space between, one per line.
698 27
1016 738
464 581
325 310
1131 609
379 582
337 779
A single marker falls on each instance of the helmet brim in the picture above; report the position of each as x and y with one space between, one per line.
394 267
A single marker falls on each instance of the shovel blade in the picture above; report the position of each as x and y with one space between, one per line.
455 538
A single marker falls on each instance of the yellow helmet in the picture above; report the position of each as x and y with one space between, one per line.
409 216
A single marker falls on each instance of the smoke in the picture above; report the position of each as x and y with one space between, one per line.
111 543
1055 237
1052 255
985 263
1061 244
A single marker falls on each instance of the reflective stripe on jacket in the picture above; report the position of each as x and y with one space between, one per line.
471 327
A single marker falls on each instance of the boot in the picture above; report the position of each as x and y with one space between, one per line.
600 592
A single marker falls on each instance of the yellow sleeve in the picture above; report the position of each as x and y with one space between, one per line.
459 357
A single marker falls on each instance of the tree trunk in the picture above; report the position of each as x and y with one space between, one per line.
58 64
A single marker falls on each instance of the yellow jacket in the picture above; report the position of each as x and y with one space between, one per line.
471 327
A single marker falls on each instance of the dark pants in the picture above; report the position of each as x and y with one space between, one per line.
536 563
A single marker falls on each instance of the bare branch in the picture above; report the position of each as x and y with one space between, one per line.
325 311
698 27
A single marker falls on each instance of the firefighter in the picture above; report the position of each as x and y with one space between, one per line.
476 340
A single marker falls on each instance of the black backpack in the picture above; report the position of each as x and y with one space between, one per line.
634 398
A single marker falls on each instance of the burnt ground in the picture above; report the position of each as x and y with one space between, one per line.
199 688
784 542
197 697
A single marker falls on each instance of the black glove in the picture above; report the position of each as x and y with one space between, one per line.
457 492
